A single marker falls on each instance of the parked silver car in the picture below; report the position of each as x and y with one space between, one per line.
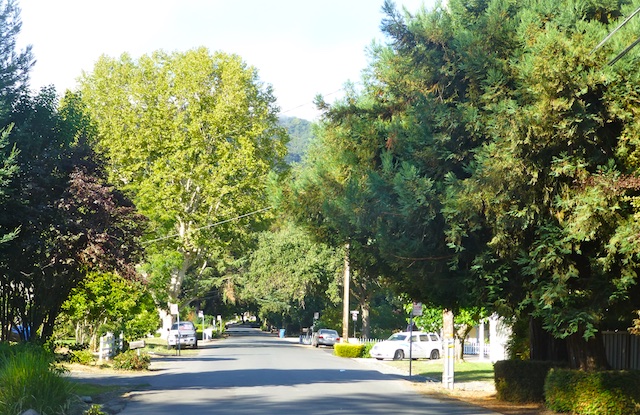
325 337
184 334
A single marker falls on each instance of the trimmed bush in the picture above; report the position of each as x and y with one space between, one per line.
130 360
367 349
28 380
593 393
84 357
521 380
348 349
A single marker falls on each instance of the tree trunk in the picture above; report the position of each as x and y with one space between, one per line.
461 335
543 346
365 307
587 354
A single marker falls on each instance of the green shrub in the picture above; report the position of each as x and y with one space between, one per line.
94 410
367 349
348 349
521 380
593 393
84 357
130 360
29 380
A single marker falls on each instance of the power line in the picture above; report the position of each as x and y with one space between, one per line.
628 48
210 225
311 102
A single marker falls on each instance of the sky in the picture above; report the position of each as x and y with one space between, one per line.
301 48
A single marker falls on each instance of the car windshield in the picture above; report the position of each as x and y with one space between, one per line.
183 326
329 332
398 337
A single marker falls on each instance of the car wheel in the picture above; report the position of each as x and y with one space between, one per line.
435 355
378 358
398 355
316 345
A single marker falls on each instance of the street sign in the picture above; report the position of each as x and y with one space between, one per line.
173 308
417 309
201 314
354 315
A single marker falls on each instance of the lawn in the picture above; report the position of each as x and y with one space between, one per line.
463 371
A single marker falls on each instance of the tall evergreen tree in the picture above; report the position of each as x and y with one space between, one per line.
14 64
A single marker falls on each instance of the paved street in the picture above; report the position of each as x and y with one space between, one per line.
256 373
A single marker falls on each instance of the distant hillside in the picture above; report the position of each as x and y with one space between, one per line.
301 133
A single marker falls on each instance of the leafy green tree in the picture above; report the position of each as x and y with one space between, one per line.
529 140
490 160
70 220
108 302
191 136
329 197
290 275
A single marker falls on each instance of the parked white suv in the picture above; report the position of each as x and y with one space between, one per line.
186 332
423 346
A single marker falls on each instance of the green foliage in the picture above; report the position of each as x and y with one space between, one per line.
28 380
490 161
94 410
108 302
367 348
348 350
192 136
132 360
77 221
521 380
289 273
593 393
84 357
14 64
301 136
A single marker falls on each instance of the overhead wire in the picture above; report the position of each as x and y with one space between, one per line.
246 214
628 48
211 225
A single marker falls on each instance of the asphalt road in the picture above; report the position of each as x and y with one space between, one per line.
256 373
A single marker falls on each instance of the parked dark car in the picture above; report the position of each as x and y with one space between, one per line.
325 337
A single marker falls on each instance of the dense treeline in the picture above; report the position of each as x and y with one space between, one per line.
491 160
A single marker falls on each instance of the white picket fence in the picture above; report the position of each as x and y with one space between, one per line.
474 349
109 346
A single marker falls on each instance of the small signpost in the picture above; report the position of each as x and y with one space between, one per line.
173 308
201 315
354 317
449 350
416 310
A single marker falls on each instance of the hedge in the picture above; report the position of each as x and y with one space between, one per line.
521 380
593 393
348 349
